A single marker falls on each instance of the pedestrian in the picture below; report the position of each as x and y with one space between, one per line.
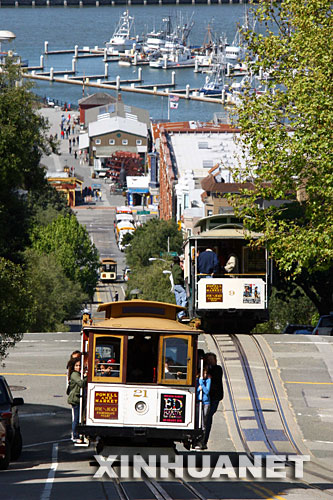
203 397
70 142
56 136
179 290
73 141
75 154
116 296
76 383
216 390
62 134
207 263
70 149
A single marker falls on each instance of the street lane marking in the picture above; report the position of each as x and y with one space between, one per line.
263 492
36 374
50 478
308 383
45 442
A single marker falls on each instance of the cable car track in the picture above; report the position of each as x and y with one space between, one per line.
157 489
255 400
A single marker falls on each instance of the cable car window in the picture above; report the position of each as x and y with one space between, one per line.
175 365
107 358
109 268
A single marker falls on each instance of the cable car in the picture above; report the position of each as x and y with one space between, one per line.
142 367
232 301
108 270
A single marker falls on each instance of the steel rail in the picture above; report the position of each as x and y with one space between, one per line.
251 384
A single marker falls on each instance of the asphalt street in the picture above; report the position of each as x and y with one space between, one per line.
50 467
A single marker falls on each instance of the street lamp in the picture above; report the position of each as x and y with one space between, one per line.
152 259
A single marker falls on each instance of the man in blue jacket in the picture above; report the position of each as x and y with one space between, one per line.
208 263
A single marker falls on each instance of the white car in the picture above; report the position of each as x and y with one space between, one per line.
324 325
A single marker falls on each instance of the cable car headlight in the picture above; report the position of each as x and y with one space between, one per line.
141 407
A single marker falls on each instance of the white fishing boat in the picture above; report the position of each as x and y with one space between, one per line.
169 38
178 58
237 51
214 83
154 41
122 38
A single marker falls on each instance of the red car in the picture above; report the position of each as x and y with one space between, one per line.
10 434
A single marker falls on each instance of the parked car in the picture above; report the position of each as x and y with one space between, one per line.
298 329
324 325
10 434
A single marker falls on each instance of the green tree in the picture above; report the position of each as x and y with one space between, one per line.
153 284
15 305
289 305
23 141
70 244
151 240
287 136
55 297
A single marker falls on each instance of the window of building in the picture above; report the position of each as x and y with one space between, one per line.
97 142
138 142
112 142
124 142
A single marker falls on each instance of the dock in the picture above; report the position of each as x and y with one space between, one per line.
112 3
121 88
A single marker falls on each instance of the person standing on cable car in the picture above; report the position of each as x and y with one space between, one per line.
76 383
216 390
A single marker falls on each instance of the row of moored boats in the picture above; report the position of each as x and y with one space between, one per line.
168 47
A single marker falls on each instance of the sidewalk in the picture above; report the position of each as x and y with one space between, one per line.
57 162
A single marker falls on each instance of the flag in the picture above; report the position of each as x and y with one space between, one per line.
173 101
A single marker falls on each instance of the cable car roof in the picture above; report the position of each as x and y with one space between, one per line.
108 260
227 232
139 307
153 316
134 324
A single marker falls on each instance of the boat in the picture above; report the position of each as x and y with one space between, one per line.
215 82
168 38
236 53
122 39
177 58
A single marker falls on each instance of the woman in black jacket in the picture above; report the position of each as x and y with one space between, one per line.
216 391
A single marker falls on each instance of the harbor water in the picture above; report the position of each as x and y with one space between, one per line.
64 28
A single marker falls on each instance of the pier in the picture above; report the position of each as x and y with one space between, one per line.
85 82
110 3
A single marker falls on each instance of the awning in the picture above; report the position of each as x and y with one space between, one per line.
138 190
83 141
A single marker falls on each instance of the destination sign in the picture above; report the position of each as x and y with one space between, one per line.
106 405
214 293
